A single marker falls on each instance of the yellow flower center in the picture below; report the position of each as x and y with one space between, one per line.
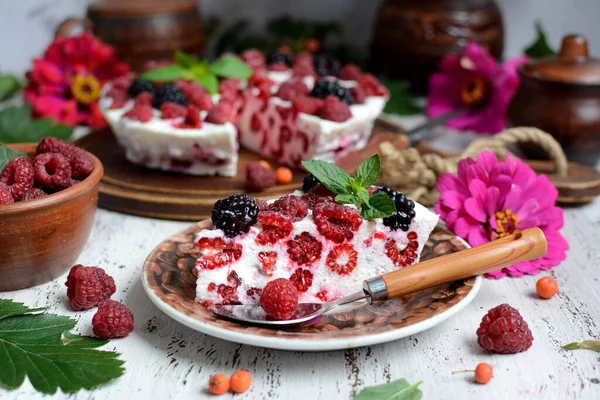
85 88
474 91
506 222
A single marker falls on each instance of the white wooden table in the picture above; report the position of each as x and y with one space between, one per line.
166 360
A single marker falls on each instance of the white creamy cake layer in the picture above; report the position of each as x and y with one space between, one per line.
371 243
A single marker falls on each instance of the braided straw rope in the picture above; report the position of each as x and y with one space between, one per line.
416 174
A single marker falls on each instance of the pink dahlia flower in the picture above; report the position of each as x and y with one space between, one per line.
488 199
65 83
474 82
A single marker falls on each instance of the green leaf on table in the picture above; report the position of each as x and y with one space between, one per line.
209 81
539 48
397 390
9 86
368 171
586 344
402 101
230 67
167 73
186 61
6 155
41 347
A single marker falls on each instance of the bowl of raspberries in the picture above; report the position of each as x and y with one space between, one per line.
48 200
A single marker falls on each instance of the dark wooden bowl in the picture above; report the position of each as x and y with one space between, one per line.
41 239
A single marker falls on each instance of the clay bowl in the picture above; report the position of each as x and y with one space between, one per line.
41 239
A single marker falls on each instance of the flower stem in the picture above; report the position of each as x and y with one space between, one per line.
586 344
462 370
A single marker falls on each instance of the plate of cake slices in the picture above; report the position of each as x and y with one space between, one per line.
325 248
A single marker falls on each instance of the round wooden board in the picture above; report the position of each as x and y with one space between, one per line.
132 189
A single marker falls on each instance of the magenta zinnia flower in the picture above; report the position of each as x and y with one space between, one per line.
488 199
473 81
65 83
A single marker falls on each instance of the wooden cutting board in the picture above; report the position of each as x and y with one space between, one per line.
132 189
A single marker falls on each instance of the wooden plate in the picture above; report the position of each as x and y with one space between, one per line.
132 189
169 280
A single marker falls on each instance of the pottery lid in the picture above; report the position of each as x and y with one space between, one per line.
139 7
571 65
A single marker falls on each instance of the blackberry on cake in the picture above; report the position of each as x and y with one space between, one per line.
329 87
235 214
405 210
168 92
139 86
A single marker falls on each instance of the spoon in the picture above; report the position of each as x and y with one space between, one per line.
522 246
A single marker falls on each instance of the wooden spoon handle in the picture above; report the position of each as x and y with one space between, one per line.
523 246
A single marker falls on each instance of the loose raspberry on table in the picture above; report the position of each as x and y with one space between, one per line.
267 259
307 105
81 162
279 299
371 86
304 249
172 110
336 222
503 330
342 259
292 88
406 256
255 59
235 214
335 110
112 320
88 286
222 112
192 118
52 171
318 194
358 95
17 175
217 252
302 279
140 112
258 177
293 207
275 227
196 94
5 196
350 72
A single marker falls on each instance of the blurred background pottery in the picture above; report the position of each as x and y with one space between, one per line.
41 239
561 95
411 36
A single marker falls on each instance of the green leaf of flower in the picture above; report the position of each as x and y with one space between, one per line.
328 174
368 171
6 155
16 126
209 81
379 206
230 67
396 390
40 347
539 48
347 199
9 85
186 61
167 73
586 344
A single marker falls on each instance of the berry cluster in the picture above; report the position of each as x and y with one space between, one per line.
405 210
328 87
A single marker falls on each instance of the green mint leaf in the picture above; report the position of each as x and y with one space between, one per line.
209 81
368 171
167 73
539 48
9 86
402 101
347 199
363 194
586 344
396 390
39 346
346 182
379 206
328 174
185 60
230 67
6 155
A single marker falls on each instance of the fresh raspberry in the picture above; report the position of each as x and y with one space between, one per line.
275 227
358 95
318 194
52 171
261 204
304 249
292 88
335 110
5 196
81 163
118 95
222 112
229 87
293 207
279 299
302 279
406 256
255 59
143 99
304 57
371 86
88 286
258 177
229 294
503 330
336 222
17 175
261 81
196 94
140 112
268 259
172 110
278 67
342 259
307 105
112 320
217 252
350 72
303 69
192 119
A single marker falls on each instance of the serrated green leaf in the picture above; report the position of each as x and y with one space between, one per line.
40 347
347 199
327 173
9 86
12 308
368 171
346 182
379 206
185 60
396 390
539 48
363 195
167 73
230 67
7 154
209 81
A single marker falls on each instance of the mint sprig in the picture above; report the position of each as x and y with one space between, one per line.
354 190
200 71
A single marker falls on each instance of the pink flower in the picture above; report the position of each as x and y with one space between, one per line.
65 83
473 81
488 199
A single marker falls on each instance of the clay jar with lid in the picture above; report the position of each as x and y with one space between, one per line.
561 95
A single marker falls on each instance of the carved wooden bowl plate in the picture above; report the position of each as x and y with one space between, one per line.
169 280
